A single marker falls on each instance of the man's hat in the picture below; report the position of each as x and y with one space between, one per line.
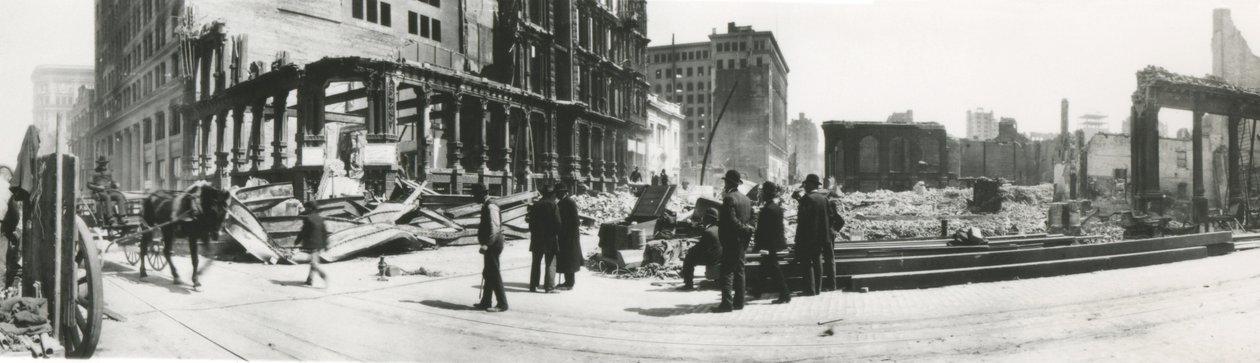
478 190
102 160
711 214
769 187
812 179
733 175
310 206
560 188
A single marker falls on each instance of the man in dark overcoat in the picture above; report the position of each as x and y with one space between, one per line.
813 233
569 255
544 227
770 239
735 227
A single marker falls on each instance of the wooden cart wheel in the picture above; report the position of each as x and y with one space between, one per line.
81 333
156 259
132 252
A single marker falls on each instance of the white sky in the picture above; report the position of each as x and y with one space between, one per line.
849 59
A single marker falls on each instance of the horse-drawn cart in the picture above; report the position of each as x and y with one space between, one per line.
59 258
126 234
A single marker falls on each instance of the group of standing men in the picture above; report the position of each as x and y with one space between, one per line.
554 241
727 232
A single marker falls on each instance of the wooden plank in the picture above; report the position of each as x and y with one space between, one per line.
963 260
264 191
937 278
472 208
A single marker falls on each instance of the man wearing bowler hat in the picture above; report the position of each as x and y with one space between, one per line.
734 230
569 257
813 233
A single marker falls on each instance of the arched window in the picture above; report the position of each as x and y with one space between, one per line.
868 155
898 157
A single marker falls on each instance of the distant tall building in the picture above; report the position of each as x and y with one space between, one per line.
752 137
805 144
1091 124
56 87
981 125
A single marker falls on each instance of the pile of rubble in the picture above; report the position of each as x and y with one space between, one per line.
890 215
265 220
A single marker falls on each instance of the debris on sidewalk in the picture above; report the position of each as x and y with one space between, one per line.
265 220
24 326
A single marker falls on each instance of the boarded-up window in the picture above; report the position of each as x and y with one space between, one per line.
898 155
868 155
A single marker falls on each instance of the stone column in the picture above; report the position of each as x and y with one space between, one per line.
456 146
279 105
505 154
310 134
256 147
221 161
612 165
238 149
529 152
382 92
584 134
1235 156
1199 201
205 154
598 152
482 145
1145 150
420 135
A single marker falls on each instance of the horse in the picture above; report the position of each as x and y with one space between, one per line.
197 215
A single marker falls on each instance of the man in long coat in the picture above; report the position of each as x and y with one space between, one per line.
735 228
569 255
813 233
544 224
770 239
490 237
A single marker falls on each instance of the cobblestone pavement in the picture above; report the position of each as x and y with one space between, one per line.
1202 310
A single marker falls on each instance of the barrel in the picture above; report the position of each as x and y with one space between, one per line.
637 239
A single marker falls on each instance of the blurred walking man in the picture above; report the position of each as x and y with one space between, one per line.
490 236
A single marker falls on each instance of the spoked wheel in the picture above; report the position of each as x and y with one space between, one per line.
156 259
81 332
132 252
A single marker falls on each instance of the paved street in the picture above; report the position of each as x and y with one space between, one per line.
1191 311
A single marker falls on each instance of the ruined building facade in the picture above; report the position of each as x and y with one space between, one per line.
867 156
701 75
507 92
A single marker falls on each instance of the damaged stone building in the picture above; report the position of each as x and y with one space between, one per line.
867 156
701 75
1009 155
504 92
